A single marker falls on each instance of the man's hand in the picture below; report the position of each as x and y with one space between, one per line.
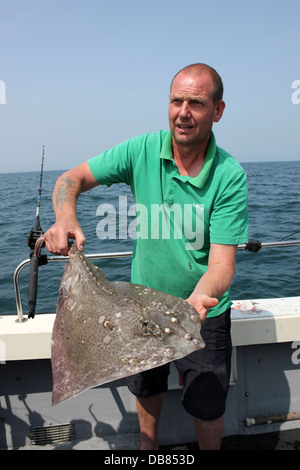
217 279
67 189
202 303
57 237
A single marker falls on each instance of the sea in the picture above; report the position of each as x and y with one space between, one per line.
274 214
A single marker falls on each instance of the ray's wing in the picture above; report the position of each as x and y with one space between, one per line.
105 331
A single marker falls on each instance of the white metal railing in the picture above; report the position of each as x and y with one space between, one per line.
51 259
250 246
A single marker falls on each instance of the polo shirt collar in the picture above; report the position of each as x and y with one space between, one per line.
199 180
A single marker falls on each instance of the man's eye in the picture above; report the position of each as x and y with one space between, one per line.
196 103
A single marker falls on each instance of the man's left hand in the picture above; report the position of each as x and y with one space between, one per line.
202 303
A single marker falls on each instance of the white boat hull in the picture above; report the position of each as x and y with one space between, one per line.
264 383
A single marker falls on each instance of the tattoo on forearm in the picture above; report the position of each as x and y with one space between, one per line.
64 191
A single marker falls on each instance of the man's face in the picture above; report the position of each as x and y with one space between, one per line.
192 110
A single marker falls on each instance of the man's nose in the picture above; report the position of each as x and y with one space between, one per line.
184 110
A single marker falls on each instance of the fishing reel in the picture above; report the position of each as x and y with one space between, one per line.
32 236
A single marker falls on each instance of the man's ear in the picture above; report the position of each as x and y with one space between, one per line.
219 111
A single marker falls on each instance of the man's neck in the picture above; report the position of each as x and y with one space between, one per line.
189 160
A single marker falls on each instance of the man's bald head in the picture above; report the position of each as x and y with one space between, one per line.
196 69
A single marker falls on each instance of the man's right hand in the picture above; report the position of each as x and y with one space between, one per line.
57 237
67 189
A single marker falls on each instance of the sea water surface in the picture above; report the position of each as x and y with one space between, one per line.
274 208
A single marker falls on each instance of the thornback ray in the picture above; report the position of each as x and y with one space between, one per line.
105 331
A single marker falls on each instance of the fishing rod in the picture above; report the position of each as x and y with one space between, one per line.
35 262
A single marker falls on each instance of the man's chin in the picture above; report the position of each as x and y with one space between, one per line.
185 140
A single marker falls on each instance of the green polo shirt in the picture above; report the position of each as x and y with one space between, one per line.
177 216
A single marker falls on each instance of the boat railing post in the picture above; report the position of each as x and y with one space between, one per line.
17 289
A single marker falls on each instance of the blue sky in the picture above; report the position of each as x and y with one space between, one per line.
84 75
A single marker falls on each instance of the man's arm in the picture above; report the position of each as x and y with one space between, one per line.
66 192
217 279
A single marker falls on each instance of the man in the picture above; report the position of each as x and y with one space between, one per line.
180 166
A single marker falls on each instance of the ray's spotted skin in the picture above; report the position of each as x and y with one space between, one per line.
106 331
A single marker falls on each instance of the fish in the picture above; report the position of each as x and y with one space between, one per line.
104 331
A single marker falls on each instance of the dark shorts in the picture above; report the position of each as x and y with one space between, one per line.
205 374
